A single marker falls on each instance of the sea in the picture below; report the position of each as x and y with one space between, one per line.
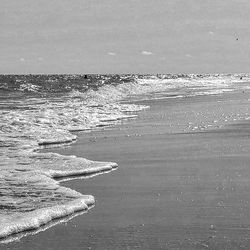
47 111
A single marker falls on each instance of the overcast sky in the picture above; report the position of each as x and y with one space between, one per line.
124 36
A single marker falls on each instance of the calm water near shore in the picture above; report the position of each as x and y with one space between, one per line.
172 190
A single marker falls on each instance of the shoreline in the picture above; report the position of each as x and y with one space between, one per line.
117 134
47 181
167 190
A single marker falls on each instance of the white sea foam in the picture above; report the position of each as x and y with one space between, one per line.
30 197
49 224
18 222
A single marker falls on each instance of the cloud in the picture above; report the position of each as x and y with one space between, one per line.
111 53
40 59
188 55
146 53
211 33
21 59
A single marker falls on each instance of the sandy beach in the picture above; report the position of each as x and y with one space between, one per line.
173 189
124 125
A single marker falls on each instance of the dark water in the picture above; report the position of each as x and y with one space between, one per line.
53 85
23 86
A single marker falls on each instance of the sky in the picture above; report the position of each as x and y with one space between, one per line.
124 36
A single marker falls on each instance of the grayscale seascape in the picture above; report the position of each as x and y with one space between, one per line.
124 124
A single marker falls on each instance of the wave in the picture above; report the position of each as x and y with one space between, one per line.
46 113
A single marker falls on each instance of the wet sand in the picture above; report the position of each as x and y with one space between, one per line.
173 189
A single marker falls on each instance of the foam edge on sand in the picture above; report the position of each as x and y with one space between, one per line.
35 219
20 222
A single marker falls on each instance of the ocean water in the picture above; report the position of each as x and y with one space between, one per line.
38 111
